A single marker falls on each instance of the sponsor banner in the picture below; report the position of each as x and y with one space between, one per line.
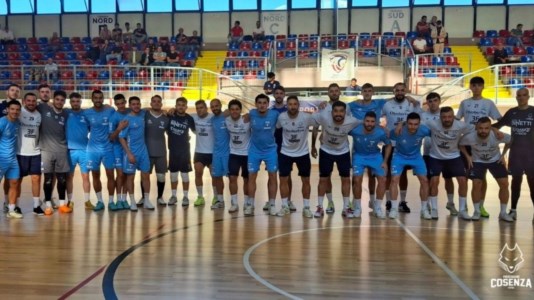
274 22
337 64
98 21
395 19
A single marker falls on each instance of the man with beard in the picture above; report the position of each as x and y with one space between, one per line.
118 152
44 93
12 93
221 151
9 168
486 155
203 149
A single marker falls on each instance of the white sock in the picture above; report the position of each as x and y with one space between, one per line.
372 197
36 202
378 203
320 200
200 191
61 202
346 202
122 197
247 200
69 197
450 198
511 209
251 201
503 208
99 197
220 198
356 203
463 202
186 193
284 202
307 203
482 202
86 196
233 199
146 195
329 197
424 205
214 190
271 202
132 198
394 204
477 206
403 196
111 198
173 192
433 202
12 206
48 204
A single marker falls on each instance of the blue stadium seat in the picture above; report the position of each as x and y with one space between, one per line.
86 40
526 59
280 45
238 75
447 50
25 56
369 53
365 35
22 47
135 86
292 37
515 83
261 74
32 85
80 74
492 33
253 64
228 64
5 74
27 63
84 85
247 38
43 40
67 47
265 54
257 46
130 74
21 40
191 55
342 37
438 61
521 70
233 46
388 34
411 35
313 54
290 54
163 86
242 54
269 38
64 40
58 85
103 75
303 45
71 56
75 62
326 44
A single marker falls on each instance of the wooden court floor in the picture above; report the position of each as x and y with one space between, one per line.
197 253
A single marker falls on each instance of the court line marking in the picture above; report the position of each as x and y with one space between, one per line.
439 262
82 284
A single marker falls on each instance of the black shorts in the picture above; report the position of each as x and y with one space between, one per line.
326 164
236 162
160 163
479 170
180 162
449 167
203 158
285 165
29 165
520 162
389 161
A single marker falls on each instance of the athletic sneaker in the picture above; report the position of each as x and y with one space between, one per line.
476 216
161 202
506 217
123 205
283 211
388 205
379 213
347 213
173 200
214 200
307 213
217 205
54 204
89 205
465 215
319 213
403 207
70 204
483 212
140 202
292 207
14 215
48 211
113 206
452 209
249 210
272 210
185 201
393 213
133 206
371 204
199 202
513 214
6 208
65 209
267 206
425 214
330 208
98 207
357 212
148 205
434 214
17 209
38 211
234 208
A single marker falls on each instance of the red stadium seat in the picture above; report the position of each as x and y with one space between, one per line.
490 51
32 40
303 36
240 64
400 33
117 74
142 74
245 46
60 56
78 47
177 85
424 61
519 51
391 43
303 54
12 48
529 83
231 54
67 75
344 44
451 60
314 44
75 40
37 56
92 74
479 34
34 47
13 56
280 54
281 37
16 75
504 33
506 71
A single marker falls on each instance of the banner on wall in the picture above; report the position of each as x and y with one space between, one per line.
395 19
98 21
274 22
337 64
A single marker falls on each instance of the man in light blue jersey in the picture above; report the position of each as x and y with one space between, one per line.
77 139
221 151
262 148
365 154
12 93
99 147
132 139
118 152
9 168
407 153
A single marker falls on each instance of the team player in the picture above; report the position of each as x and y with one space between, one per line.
366 138
118 152
521 161
77 139
12 93
262 148
9 168
408 140
239 131
28 151
473 109
334 149
54 151
445 157
132 139
486 155
221 151
203 149
44 93
295 126
395 112
100 147
180 124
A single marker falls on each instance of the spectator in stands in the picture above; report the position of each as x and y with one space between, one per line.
271 84
116 34
173 59
7 36
422 27
433 24
105 34
127 33
236 33
51 70
353 89
151 45
419 45
195 43
259 33
116 53
165 46
160 57
517 31
500 56
54 44
139 34
94 51
439 34
181 40
146 57
105 49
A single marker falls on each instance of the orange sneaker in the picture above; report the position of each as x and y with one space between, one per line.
48 211
65 209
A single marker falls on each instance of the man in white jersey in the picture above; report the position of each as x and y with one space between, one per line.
239 131
486 155
203 147
28 150
335 149
473 109
295 127
445 157
395 112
